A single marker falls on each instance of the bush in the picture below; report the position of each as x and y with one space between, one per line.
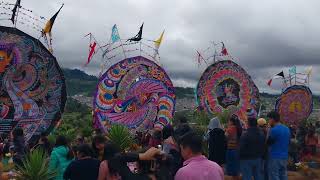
35 167
120 136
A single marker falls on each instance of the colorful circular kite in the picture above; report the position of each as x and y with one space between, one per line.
226 85
135 92
295 104
32 87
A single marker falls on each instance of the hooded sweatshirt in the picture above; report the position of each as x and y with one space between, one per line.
59 161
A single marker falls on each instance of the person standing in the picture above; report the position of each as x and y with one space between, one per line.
61 157
85 167
196 166
251 151
233 134
262 124
278 141
217 142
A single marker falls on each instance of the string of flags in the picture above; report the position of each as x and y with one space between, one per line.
215 55
115 42
281 81
27 17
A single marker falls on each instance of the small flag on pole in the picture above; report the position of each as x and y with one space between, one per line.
158 42
281 74
137 37
309 71
92 51
48 27
224 50
293 70
92 48
14 11
115 37
277 81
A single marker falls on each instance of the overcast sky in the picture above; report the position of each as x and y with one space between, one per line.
265 36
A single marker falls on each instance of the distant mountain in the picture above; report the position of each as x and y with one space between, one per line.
182 92
78 82
78 74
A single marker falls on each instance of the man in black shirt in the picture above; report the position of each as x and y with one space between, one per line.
85 167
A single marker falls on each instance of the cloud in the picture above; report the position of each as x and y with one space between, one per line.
264 36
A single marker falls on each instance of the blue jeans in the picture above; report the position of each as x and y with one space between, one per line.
265 169
232 162
277 169
252 167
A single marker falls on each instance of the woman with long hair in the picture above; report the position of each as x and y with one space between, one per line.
233 133
106 173
61 157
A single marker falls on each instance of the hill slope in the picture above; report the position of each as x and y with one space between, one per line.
78 82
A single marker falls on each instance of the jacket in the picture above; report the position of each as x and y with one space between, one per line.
59 161
251 144
217 146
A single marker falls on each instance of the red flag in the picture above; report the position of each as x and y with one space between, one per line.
269 82
92 51
224 50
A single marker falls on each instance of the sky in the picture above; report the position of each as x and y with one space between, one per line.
265 36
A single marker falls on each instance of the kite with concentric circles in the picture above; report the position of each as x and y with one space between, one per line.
226 86
135 92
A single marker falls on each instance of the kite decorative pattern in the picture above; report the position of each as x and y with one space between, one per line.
32 87
295 104
226 85
135 92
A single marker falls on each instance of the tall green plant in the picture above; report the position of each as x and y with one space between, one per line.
120 136
224 116
202 118
35 167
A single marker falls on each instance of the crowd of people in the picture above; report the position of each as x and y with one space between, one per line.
258 151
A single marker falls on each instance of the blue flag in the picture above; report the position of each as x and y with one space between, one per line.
293 70
115 34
